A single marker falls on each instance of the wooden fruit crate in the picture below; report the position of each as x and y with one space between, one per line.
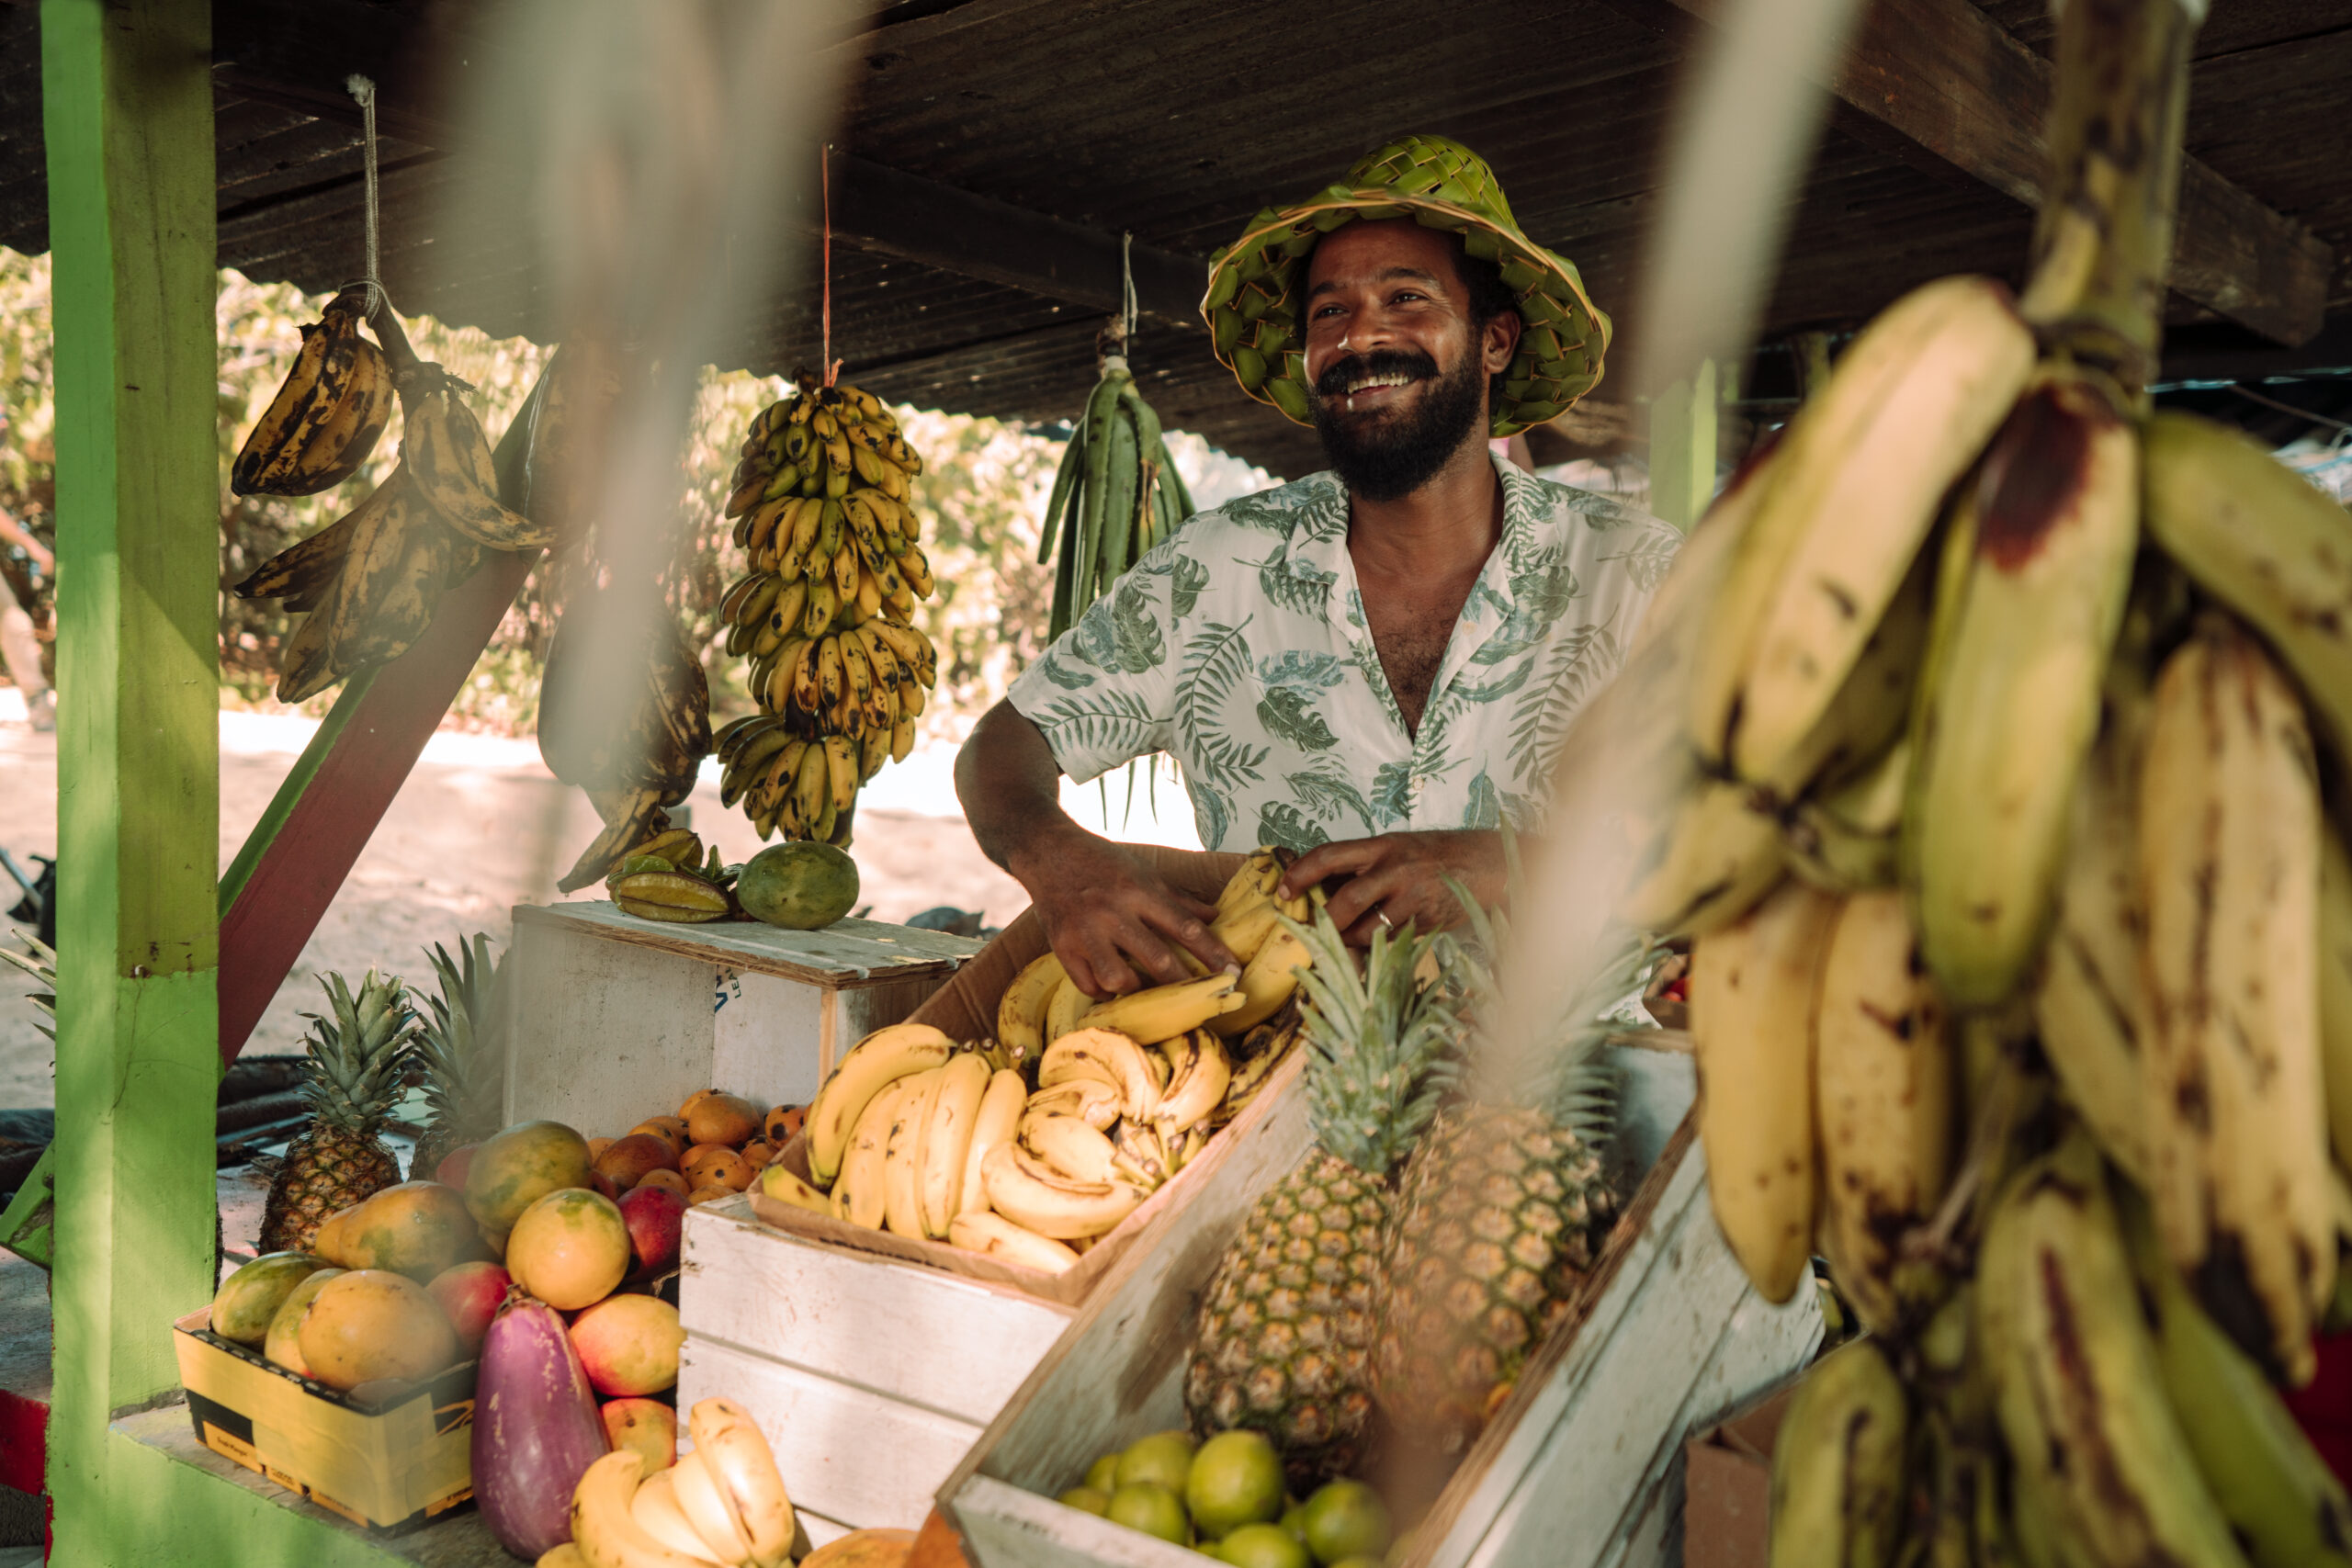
613 1019
873 1361
1580 1469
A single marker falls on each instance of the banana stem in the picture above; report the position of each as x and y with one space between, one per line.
2102 244
398 352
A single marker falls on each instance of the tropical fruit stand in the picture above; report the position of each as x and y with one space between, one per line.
1968 811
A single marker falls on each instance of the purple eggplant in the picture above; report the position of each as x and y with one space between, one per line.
535 1428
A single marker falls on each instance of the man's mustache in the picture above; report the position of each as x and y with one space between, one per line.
1409 363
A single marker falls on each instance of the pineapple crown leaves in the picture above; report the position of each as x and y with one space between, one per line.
455 1044
360 1051
1383 1043
1571 1081
41 967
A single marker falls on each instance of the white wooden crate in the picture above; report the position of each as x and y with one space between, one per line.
1581 1469
615 1019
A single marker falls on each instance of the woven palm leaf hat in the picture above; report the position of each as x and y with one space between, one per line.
1251 304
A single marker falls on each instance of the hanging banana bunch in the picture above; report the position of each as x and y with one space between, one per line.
1118 494
2062 1086
826 614
327 416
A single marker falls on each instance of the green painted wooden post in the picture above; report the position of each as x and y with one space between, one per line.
126 96
1682 448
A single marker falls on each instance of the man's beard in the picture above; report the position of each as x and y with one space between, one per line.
1388 459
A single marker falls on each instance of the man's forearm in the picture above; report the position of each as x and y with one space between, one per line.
1011 789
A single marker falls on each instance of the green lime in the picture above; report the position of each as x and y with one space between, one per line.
1236 1479
1104 1475
1293 1520
1087 1500
1346 1519
1263 1546
1359 1561
1164 1459
1153 1509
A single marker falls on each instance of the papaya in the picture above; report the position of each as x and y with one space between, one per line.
371 1323
416 1228
249 1297
283 1344
800 885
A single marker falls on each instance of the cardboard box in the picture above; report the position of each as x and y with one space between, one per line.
388 1468
1727 1488
965 1008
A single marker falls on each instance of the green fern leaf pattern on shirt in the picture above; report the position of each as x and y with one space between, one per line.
1280 824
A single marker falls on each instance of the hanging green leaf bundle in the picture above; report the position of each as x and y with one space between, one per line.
1118 494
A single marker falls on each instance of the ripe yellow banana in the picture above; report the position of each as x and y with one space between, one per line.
2229 866
1847 840
655 1509
1026 1191
1718 853
1839 1494
1161 1012
742 1465
1752 986
996 1121
2088 1005
880 1059
902 1153
1068 1147
861 1191
1095 1101
1856 485
947 1138
785 1188
2010 702
1253 882
1885 1096
443 447
1870 710
1021 1012
695 1485
604 1529
1266 984
2335 987
999 1237
2077 1386
1064 1004
1245 930
1103 1055
327 415
1196 1087
2261 539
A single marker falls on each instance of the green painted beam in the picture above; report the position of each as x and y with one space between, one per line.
127 111
1683 426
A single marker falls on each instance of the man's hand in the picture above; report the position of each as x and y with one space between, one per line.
1115 923
1402 877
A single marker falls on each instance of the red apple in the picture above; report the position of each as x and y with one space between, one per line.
451 1172
653 1215
469 1294
646 1425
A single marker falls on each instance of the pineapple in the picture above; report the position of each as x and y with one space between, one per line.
358 1061
462 1065
1286 1331
1499 1221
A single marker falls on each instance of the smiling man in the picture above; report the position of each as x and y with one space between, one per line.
1373 665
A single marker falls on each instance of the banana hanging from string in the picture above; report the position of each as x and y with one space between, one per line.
1117 495
328 414
823 507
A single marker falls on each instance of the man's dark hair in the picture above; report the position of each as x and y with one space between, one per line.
1489 298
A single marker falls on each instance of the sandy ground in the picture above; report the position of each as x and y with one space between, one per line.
482 826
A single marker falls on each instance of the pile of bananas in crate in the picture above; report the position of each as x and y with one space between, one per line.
825 615
2021 980
368 584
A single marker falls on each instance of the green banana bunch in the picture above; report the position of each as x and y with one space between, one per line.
1115 496
822 499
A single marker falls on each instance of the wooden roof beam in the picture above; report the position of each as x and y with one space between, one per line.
1944 86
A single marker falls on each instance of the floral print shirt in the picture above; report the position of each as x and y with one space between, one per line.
1240 645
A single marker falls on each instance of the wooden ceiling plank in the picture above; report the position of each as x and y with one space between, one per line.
1945 78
